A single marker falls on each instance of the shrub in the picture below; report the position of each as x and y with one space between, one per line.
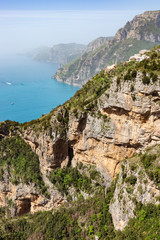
131 179
134 74
132 88
146 80
154 78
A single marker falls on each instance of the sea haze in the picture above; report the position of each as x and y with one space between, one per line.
27 90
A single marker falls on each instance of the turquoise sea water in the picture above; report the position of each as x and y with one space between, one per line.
27 90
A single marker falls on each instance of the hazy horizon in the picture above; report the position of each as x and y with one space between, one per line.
23 31
32 24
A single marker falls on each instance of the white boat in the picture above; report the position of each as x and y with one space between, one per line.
8 83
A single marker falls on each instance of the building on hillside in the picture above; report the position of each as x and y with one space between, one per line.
140 56
109 68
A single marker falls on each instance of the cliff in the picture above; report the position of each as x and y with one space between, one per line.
143 32
77 150
145 26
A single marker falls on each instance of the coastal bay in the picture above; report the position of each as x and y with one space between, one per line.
27 90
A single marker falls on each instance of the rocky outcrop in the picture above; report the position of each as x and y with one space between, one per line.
143 32
145 26
133 186
24 198
97 43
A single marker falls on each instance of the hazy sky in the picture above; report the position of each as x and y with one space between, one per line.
27 24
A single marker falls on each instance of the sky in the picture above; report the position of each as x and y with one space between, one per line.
29 24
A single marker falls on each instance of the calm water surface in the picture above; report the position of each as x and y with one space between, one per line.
27 90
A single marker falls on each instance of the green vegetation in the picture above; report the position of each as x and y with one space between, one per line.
131 179
82 220
152 167
63 178
21 163
125 49
92 90
7 126
145 226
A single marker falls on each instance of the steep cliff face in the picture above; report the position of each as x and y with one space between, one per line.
115 115
135 184
143 32
126 119
145 26
97 43
132 123
23 188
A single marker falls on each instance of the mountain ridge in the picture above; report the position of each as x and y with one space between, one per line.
142 32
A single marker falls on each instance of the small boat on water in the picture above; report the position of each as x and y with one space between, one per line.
12 103
8 83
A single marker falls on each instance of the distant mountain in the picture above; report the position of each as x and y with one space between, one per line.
97 43
143 32
61 53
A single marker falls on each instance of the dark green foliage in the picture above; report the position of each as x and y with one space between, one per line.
22 163
148 160
127 76
132 88
154 78
7 126
131 179
59 117
133 97
134 74
64 178
130 75
152 167
118 80
146 80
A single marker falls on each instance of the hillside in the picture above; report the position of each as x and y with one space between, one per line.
143 32
89 169
61 53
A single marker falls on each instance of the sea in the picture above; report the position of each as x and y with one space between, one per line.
27 90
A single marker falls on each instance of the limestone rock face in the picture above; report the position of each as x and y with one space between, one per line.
97 43
131 123
144 26
128 193
25 198
52 152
